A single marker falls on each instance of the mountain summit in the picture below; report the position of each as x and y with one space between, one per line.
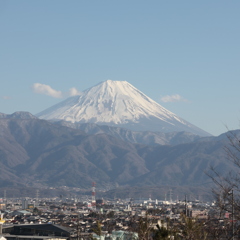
118 103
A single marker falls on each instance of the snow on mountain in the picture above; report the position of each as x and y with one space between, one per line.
118 103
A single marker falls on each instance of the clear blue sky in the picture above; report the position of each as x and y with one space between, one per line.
183 54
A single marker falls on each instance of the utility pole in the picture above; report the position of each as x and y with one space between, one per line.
186 205
232 216
78 229
232 202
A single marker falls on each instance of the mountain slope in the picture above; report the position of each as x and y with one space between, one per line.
118 103
141 137
38 153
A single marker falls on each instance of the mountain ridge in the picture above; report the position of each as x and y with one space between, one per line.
141 137
36 152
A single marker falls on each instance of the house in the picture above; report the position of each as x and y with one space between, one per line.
37 231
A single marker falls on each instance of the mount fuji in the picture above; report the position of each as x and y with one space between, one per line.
118 103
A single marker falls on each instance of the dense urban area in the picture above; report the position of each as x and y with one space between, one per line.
88 217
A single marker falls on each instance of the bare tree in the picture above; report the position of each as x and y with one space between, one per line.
227 190
192 229
142 226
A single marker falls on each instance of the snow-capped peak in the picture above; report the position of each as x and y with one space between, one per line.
115 103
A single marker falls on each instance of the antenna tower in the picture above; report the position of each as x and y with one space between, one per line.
170 195
94 196
37 197
5 196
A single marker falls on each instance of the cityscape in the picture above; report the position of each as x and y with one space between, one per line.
119 120
88 217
